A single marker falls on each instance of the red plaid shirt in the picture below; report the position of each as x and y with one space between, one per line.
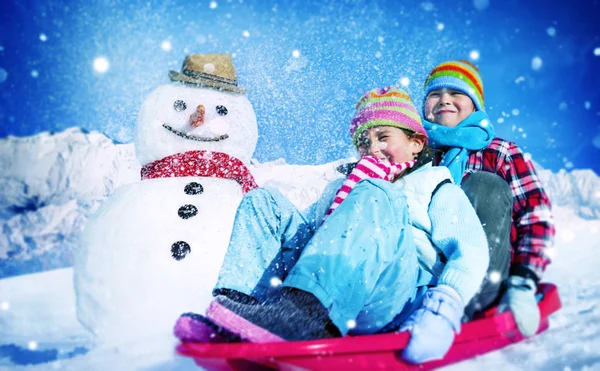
532 230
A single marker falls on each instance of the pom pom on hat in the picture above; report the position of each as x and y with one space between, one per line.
459 75
390 106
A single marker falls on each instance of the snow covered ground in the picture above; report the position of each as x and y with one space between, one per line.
42 310
38 326
573 340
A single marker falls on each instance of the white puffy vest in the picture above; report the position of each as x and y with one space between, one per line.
419 187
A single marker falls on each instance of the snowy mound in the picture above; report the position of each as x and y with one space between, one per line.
301 184
52 169
52 182
579 190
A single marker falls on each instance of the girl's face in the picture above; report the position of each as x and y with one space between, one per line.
447 107
389 143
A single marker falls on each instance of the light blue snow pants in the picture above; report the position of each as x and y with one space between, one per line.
361 263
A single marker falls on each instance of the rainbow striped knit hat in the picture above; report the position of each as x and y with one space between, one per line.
458 75
390 106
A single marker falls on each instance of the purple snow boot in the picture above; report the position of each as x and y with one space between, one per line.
296 315
192 327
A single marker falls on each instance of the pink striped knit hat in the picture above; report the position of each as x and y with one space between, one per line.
390 106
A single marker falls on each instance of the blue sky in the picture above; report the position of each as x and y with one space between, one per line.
306 63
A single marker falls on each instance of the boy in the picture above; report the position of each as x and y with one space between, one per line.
485 165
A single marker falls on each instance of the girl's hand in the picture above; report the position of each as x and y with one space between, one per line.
433 325
373 167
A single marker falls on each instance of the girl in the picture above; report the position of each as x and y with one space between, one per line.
502 185
399 247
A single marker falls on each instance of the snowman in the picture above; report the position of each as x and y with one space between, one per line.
154 248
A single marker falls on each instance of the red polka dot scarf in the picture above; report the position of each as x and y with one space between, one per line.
201 163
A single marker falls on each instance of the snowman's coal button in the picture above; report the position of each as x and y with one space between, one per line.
180 249
179 105
221 110
193 188
187 211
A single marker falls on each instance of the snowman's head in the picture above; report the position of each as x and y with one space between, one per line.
178 118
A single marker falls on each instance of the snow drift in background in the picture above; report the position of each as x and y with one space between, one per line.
51 183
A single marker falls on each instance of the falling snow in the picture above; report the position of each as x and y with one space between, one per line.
568 165
494 276
275 282
536 63
596 141
427 6
101 64
481 4
166 46
336 48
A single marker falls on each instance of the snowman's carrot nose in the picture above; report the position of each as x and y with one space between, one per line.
197 118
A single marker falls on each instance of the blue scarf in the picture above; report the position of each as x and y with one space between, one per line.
471 134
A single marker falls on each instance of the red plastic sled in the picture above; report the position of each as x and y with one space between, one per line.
491 332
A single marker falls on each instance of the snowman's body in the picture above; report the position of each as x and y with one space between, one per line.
154 249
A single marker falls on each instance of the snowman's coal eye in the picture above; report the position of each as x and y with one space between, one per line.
221 110
179 105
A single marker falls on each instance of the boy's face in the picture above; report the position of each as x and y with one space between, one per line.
389 143
447 107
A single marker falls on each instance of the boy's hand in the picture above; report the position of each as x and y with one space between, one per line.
520 300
